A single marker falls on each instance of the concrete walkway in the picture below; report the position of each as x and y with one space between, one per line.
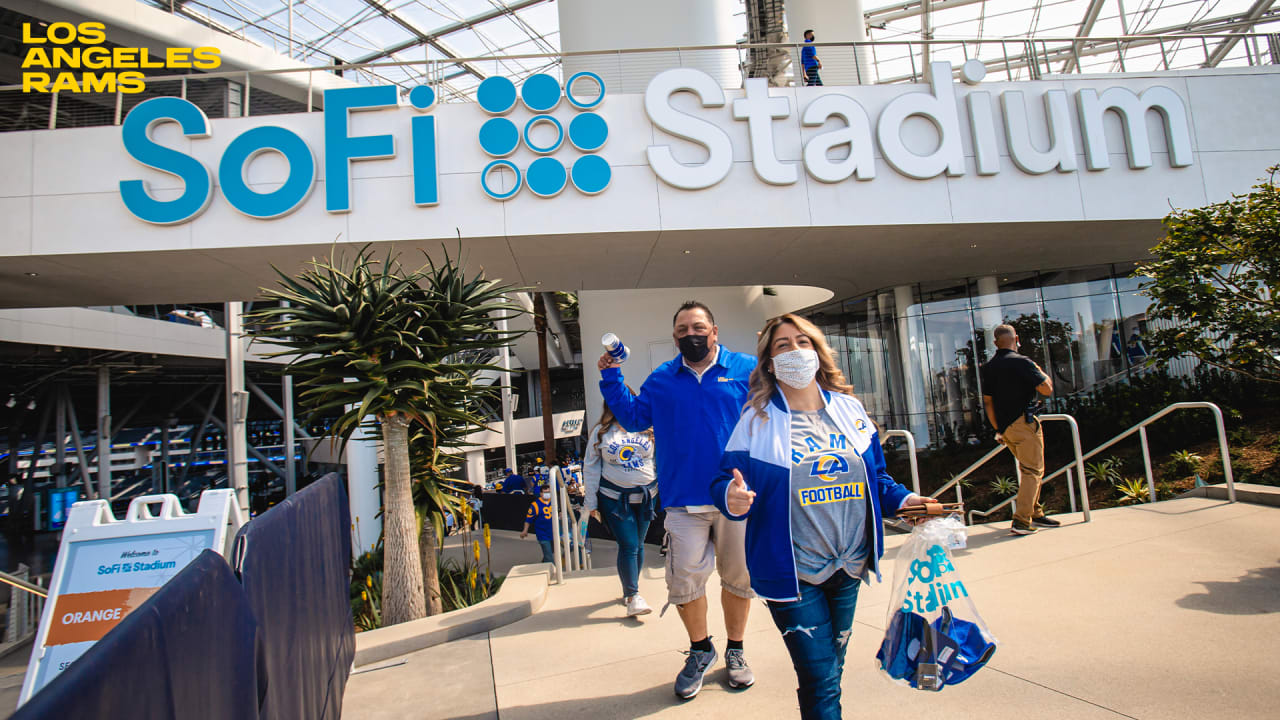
1163 611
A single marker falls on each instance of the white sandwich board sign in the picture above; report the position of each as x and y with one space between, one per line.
106 568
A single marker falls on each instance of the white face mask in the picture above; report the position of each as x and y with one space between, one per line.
796 368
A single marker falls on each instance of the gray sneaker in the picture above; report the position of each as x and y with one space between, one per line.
689 681
740 675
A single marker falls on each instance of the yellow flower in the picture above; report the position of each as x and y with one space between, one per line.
475 549
368 580
487 539
471 578
364 596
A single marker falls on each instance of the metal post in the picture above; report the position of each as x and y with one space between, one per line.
1146 464
556 562
244 101
1226 457
1071 490
184 87
60 439
290 445
237 407
81 460
566 519
104 433
291 29
119 106
508 413
164 455
310 83
53 112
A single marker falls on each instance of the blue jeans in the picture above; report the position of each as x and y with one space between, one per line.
548 553
629 523
816 630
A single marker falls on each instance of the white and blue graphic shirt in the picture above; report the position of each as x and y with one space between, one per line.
622 457
828 500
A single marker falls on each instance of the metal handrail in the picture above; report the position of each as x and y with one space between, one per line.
1021 43
1078 462
1141 429
911 454
23 585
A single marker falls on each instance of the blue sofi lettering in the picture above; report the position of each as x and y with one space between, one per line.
340 147
198 186
282 200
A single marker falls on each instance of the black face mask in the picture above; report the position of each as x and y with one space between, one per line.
694 347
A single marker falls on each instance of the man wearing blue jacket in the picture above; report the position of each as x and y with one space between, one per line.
693 403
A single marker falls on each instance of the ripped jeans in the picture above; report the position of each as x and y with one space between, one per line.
816 630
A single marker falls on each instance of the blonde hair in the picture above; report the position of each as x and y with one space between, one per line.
763 385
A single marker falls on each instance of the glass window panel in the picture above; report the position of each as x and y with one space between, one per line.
1133 326
952 377
1082 342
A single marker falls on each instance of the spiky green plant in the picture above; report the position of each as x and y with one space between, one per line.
1107 470
1132 490
1184 463
1004 486
372 340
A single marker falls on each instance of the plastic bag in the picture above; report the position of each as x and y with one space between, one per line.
935 636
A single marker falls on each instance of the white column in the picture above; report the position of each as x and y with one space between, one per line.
237 407
914 363
475 467
988 311
362 489
508 408
104 433
831 21
609 25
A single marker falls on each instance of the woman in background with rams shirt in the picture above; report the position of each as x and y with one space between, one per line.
619 475
805 470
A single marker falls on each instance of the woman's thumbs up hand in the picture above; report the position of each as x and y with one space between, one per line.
739 498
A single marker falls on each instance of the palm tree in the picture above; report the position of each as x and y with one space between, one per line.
370 340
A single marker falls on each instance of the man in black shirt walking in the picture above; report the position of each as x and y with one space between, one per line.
1010 384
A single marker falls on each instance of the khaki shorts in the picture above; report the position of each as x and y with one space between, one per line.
699 542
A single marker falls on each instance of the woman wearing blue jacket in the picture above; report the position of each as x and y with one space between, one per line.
805 470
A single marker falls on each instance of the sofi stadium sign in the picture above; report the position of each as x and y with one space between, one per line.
842 148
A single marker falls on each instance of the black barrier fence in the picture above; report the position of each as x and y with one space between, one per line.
192 650
294 563
276 642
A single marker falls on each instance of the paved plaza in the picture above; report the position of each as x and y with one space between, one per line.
1158 611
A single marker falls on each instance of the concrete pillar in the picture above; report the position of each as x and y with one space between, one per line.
915 360
475 467
362 489
608 25
508 408
831 21
104 433
237 406
988 311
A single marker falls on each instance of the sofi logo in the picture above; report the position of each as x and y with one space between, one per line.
544 135
500 137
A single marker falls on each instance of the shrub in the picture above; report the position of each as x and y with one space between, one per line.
1132 490
1107 470
1184 463
1004 486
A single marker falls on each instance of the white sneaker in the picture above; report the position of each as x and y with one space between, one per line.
637 606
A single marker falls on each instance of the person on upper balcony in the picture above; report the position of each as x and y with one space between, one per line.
1011 384
809 59
693 401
